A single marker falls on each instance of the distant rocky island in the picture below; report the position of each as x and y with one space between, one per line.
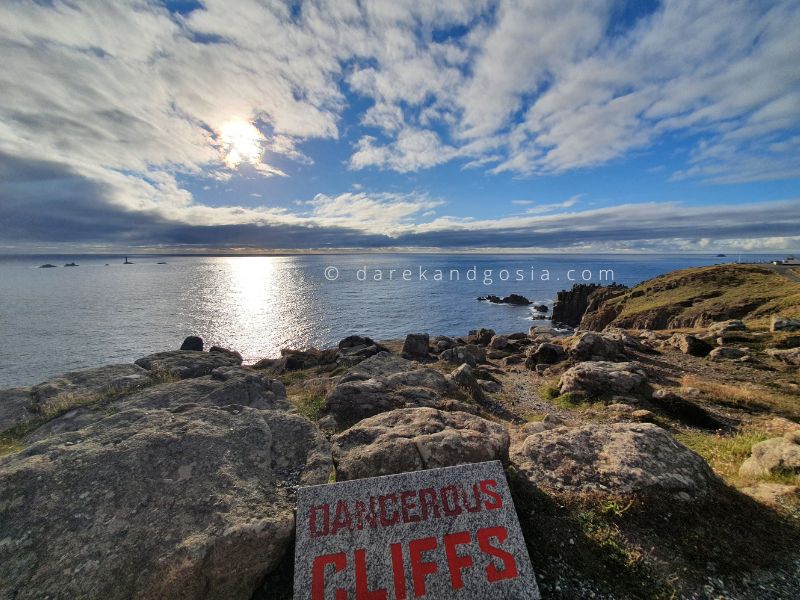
653 450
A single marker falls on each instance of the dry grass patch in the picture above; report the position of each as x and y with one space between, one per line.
746 396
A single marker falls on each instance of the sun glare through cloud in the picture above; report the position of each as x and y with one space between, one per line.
242 142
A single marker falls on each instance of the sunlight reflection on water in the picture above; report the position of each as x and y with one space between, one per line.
55 320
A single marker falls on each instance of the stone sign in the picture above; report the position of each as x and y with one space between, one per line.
437 534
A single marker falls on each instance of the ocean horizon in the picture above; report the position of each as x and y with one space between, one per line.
67 318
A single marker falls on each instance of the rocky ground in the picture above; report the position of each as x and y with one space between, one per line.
644 463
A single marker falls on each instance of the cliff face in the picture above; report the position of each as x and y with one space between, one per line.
688 298
571 305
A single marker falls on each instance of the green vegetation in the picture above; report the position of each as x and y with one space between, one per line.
752 291
309 401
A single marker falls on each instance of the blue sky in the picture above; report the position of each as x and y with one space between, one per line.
577 125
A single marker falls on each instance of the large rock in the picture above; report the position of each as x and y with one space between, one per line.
498 342
546 354
415 439
469 354
481 336
784 324
728 353
88 386
193 342
194 502
185 364
729 326
615 459
775 456
689 344
355 348
462 376
225 386
596 346
416 345
595 378
296 360
16 408
385 382
790 357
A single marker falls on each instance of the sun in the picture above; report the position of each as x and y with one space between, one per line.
242 142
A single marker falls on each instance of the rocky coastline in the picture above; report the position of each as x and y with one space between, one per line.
654 451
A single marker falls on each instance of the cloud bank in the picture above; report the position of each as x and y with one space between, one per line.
108 106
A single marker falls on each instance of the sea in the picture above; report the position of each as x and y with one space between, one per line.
102 311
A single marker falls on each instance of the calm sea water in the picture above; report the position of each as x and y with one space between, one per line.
101 312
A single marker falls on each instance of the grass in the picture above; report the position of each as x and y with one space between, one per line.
309 401
719 289
746 396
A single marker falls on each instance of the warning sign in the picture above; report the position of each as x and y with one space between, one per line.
438 534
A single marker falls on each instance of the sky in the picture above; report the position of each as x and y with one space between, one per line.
543 125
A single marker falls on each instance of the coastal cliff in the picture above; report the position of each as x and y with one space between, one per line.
637 456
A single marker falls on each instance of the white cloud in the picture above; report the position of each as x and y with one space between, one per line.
132 98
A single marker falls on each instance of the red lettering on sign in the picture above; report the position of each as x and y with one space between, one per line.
341 519
362 514
476 496
487 487
450 491
398 572
385 520
362 588
419 567
428 503
509 570
455 561
339 562
312 517
408 504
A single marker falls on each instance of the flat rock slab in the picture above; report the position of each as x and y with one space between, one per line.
185 364
449 533
88 386
194 502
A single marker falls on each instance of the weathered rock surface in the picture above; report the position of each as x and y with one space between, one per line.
779 323
184 503
16 408
498 342
89 385
416 346
546 354
790 357
728 326
689 344
355 348
462 376
596 346
225 386
414 439
385 382
192 342
728 353
481 336
571 305
470 354
594 378
774 456
185 364
620 458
